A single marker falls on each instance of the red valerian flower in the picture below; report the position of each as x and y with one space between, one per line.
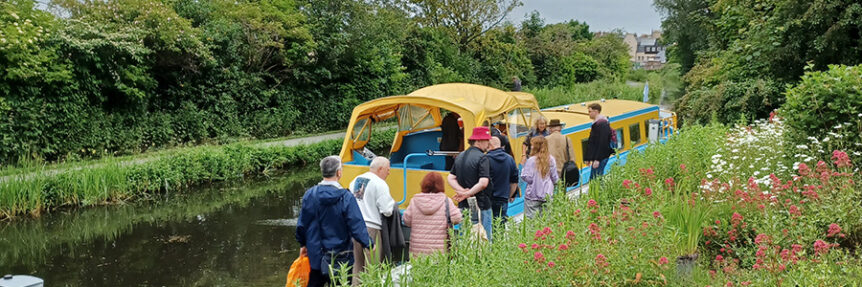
669 182
551 264
656 214
794 210
647 191
601 260
736 219
564 247
592 203
538 256
804 170
627 183
522 246
662 260
761 238
821 247
682 167
834 229
841 159
719 258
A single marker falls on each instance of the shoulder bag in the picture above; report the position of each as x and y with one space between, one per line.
571 172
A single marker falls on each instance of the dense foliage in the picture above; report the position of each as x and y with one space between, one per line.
739 56
86 79
714 206
827 105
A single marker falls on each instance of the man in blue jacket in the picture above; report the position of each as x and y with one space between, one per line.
329 218
504 179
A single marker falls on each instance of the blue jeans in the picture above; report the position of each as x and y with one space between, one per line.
600 170
487 219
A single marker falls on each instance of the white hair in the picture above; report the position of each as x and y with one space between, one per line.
379 162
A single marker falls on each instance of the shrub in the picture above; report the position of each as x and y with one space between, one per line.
827 105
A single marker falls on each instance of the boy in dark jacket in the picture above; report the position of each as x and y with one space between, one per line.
329 218
504 178
598 145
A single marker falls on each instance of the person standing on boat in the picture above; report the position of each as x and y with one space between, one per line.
599 143
540 175
558 144
516 84
452 138
470 176
430 215
372 195
540 128
504 179
329 218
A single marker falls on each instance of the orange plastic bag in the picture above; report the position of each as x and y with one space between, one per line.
299 270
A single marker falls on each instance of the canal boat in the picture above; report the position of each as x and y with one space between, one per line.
418 116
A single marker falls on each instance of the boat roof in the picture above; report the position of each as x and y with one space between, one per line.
472 102
610 108
576 117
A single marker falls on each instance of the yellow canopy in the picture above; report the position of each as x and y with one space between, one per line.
474 103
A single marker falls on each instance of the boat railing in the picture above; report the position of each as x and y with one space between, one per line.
427 153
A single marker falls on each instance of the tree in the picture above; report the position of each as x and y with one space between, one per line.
686 28
466 19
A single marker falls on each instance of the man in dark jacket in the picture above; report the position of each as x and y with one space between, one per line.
598 145
329 218
504 179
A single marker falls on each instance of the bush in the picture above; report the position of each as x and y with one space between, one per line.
827 105
731 101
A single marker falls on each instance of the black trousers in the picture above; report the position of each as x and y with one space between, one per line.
500 207
316 278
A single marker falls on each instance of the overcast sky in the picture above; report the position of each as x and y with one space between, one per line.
634 16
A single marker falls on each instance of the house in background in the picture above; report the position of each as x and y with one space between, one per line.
645 51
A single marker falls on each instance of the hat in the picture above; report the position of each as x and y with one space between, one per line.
555 123
480 134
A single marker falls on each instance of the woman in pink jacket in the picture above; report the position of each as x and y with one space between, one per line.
427 217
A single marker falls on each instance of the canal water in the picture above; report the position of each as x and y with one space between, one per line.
229 234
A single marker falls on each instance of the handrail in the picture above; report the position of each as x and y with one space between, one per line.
404 167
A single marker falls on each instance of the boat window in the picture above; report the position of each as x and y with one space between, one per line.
518 125
585 143
532 115
361 131
635 133
620 138
412 118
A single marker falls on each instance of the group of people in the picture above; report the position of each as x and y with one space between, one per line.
341 225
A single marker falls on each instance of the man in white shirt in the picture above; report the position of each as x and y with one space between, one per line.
372 195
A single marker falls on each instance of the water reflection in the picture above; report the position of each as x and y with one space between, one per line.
235 234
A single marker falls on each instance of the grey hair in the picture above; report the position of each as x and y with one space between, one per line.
378 162
330 165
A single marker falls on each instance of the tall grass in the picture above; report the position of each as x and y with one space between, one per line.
118 181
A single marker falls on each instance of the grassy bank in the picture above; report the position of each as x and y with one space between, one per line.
117 182
731 202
